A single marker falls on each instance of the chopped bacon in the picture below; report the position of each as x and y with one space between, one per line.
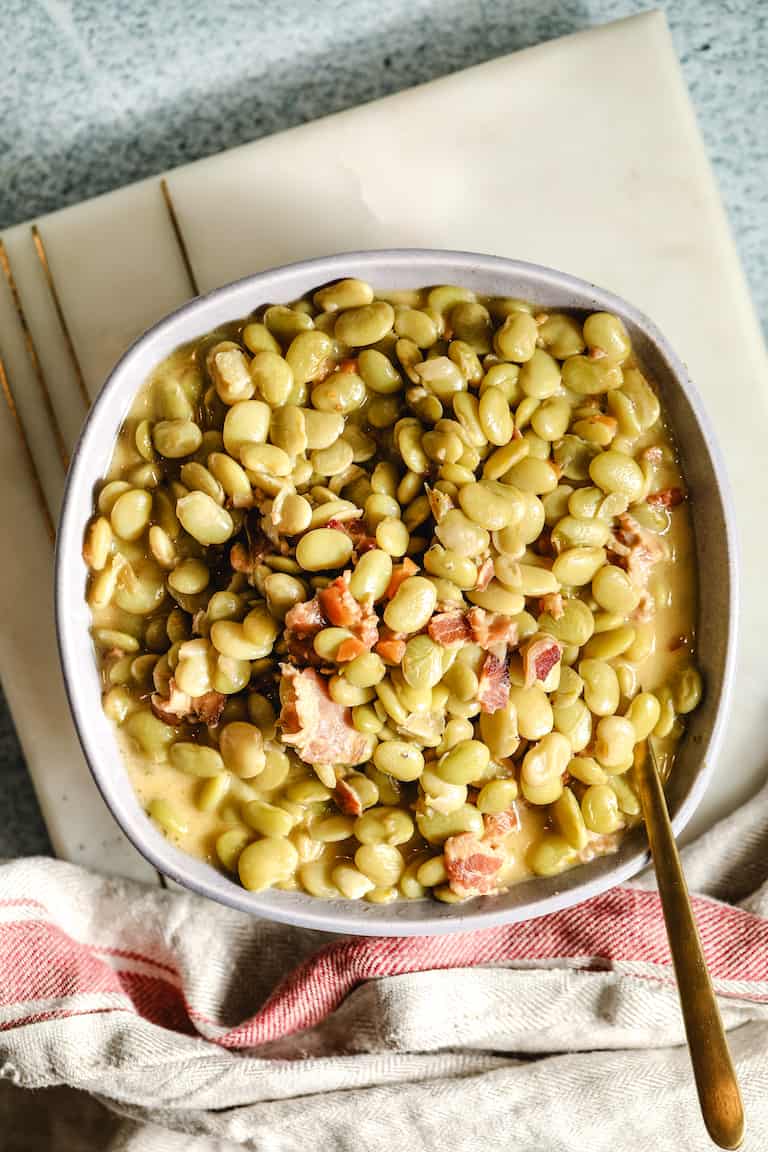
209 707
391 648
205 709
487 629
493 684
338 604
315 725
302 651
340 607
472 864
347 800
636 548
306 619
484 575
448 628
666 498
553 604
349 649
400 573
500 824
349 366
540 655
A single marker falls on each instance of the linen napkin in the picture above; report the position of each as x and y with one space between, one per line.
192 1026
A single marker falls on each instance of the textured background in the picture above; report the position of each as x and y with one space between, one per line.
96 94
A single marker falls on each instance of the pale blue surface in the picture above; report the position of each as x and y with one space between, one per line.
96 94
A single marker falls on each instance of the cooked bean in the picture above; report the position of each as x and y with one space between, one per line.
516 339
412 605
550 856
606 334
601 687
465 762
540 377
600 809
608 645
615 741
573 721
436 827
561 335
577 566
491 505
381 863
616 472
440 376
152 735
550 420
365 670
130 514
267 862
687 690
204 519
365 325
322 549
495 417
348 293
497 796
399 759
371 575
384 825
590 377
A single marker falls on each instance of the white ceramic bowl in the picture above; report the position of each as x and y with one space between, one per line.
713 524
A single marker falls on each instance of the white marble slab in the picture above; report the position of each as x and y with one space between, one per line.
582 153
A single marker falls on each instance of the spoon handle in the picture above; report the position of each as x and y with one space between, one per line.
716 1083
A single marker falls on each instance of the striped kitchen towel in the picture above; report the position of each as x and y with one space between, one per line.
159 1022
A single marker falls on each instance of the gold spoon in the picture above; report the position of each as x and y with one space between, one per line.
716 1083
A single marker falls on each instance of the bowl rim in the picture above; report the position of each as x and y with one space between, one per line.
69 541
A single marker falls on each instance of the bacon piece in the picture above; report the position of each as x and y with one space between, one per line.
315 725
665 498
400 573
205 709
448 628
637 549
306 619
553 604
493 684
302 651
391 649
209 707
500 824
487 629
472 864
340 607
540 655
338 604
347 800
349 649
349 365
484 575
246 555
